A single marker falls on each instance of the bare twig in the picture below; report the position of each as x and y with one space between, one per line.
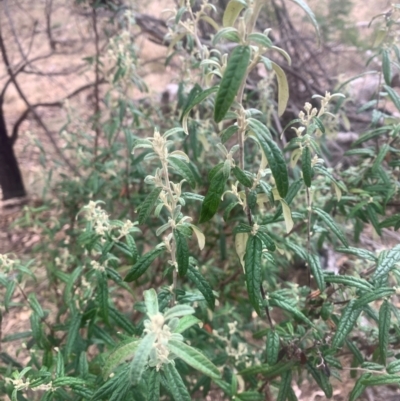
59 103
3 52
48 7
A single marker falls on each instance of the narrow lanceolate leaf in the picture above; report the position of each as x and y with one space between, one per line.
384 326
349 281
148 204
142 353
306 166
213 197
175 383
283 88
330 223
252 266
373 218
387 262
267 241
382 380
143 263
393 96
373 296
316 269
276 162
361 253
186 322
227 133
347 321
198 99
182 253
386 67
202 285
232 11
194 358
284 387
73 332
183 170
102 295
151 302
233 76
268 371
153 386
242 177
119 355
273 345
321 379
283 304
359 387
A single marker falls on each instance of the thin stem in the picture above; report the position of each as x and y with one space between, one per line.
308 232
97 80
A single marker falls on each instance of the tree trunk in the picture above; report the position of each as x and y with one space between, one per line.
10 177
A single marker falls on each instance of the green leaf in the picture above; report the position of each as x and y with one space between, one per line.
175 383
122 321
102 295
393 95
306 166
273 345
380 157
73 332
232 11
316 269
213 197
151 302
393 367
309 13
373 218
386 67
242 177
10 288
227 133
268 371
330 223
178 311
276 162
285 386
276 300
143 263
384 326
233 76
249 396
387 262
260 39
124 351
186 322
267 240
349 281
195 91
252 265
359 387
142 353
347 322
202 285
68 381
153 386
148 203
194 358
382 380
182 169
321 379
373 296
34 304
361 253
283 88
182 253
